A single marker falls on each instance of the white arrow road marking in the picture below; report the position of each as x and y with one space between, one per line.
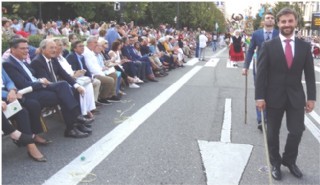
212 62
224 162
312 128
76 170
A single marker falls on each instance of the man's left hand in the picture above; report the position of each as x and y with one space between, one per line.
310 106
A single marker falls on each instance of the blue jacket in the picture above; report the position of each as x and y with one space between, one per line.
7 84
256 41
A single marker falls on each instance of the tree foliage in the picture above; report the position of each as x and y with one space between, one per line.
190 14
23 10
276 8
294 6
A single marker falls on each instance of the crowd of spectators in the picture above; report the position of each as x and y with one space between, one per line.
80 66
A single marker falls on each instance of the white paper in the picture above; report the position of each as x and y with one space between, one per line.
25 90
12 109
109 71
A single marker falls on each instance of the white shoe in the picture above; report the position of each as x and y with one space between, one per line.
137 80
134 86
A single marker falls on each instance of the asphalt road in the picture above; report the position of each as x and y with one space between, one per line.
151 137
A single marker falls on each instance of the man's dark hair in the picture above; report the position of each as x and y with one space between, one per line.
75 44
286 11
13 43
267 13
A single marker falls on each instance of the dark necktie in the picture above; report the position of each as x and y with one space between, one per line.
288 53
52 75
268 35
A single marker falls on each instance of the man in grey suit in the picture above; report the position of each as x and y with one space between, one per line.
258 37
279 90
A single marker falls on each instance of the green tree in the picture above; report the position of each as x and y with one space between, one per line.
23 10
86 10
191 14
278 6
257 22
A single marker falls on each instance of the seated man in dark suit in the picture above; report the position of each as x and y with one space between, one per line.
47 66
44 91
76 60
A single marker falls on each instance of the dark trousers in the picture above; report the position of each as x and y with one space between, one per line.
22 120
7 128
295 126
257 110
33 108
58 93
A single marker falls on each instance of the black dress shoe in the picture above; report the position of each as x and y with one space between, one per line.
41 159
260 127
75 133
84 129
23 140
84 120
153 80
276 172
293 169
45 142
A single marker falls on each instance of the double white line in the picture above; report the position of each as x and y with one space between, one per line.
315 131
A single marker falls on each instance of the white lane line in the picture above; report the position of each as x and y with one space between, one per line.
305 82
192 62
212 62
312 128
315 116
76 170
219 52
229 65
226 125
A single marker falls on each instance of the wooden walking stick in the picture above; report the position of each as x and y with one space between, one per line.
266 146
245 100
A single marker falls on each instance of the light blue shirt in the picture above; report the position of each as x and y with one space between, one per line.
34 79
79 60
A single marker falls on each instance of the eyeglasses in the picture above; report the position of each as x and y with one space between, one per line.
23 48
80 46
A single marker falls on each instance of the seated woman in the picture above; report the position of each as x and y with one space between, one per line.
108 71
27 119
87 101
123 65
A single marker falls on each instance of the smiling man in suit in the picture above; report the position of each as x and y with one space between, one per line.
258 37
279 90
